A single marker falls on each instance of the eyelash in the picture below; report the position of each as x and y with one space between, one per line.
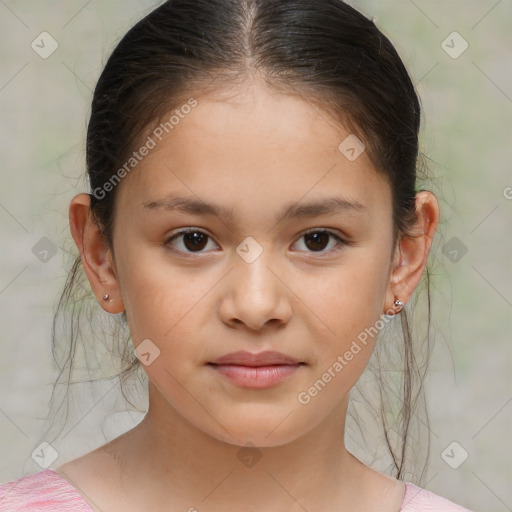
339 245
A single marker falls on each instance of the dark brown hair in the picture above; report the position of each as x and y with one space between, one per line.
324 50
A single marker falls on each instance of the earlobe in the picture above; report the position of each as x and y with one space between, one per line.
413 249
95 254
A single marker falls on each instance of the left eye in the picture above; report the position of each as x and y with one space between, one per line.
317 239
194 240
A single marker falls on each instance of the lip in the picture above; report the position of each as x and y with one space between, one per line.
266 358
261 370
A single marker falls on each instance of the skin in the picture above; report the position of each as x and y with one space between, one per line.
252 150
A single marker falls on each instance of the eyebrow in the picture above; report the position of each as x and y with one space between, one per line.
195 206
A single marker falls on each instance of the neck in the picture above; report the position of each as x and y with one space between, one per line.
180 465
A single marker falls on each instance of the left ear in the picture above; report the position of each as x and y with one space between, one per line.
412 251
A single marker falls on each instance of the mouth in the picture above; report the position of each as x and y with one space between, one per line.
256 370
265 358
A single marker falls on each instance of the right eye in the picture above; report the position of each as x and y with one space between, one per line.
193 240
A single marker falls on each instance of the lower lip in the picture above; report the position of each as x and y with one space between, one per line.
256 376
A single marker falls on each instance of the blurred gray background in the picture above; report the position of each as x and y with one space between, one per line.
466 134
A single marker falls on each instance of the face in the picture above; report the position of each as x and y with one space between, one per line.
248 277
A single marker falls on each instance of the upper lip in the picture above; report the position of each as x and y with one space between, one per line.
266 358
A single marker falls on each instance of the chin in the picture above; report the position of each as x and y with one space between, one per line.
267 433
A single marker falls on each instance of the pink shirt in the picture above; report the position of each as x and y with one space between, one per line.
46 491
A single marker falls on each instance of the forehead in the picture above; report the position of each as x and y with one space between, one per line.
254 148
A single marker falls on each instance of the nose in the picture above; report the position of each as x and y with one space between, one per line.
255 295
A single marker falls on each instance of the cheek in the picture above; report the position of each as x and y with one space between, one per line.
164 314
157 295
162 324
347 307
163 307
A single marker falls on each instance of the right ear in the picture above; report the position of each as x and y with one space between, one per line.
97 259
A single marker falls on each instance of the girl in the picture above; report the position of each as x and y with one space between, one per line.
253 217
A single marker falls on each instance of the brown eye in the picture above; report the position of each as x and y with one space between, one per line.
193 240
318 240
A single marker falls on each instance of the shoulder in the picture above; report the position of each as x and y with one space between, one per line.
45 491
417 499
